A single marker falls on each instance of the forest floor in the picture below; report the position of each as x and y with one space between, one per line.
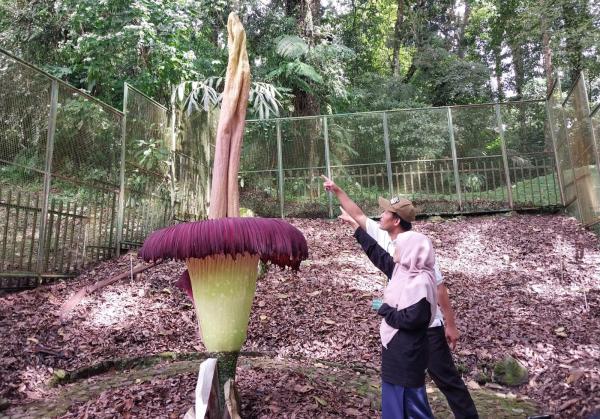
523 285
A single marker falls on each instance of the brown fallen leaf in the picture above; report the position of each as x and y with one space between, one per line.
567 404
575 375
303 388
350 411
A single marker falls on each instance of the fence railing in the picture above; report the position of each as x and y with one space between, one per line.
80 180
448 160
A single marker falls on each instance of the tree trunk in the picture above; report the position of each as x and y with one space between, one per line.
547 56
308 14
519 69
397 38
574 47
460 41
498 73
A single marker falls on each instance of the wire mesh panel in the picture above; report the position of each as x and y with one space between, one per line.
563 154
24 110
192 162
303 150
84 191
583 153
596 127
147 154
259 169
421 158
358 157
481 167
530 155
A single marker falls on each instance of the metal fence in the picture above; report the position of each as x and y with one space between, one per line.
576 130
80 180
448 160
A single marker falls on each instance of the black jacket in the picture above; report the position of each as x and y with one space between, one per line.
405 359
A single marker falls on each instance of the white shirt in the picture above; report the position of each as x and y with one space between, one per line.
384 240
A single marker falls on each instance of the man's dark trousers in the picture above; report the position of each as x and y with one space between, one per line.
444 374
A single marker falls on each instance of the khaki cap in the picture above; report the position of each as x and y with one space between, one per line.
403 207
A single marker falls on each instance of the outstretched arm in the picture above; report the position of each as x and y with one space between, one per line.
347 204
380 258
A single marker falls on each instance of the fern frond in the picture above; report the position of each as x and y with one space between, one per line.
291 46
300 69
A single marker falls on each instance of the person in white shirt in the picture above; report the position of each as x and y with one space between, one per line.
442 334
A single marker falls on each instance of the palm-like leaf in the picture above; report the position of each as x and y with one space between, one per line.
292 47
264 100
202 95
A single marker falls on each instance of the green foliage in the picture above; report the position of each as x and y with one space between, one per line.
291 70
291 47
84 140
264 100
447 51
441 77
151 153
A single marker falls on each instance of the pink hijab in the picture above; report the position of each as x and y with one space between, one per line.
412 279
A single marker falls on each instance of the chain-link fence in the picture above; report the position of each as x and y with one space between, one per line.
576 133
447 160
81 180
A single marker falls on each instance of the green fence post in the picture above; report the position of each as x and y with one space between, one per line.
47 179
504 156
121 208
280 170
327 163
454 158
388 154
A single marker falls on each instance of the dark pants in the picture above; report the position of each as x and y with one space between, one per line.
444 374
398 402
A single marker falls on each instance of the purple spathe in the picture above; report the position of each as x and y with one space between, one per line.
273 240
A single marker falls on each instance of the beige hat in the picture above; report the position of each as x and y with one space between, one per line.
403 207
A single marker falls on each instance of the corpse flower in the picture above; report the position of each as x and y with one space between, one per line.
222 258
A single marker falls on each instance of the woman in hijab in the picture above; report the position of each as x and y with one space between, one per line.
409 304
